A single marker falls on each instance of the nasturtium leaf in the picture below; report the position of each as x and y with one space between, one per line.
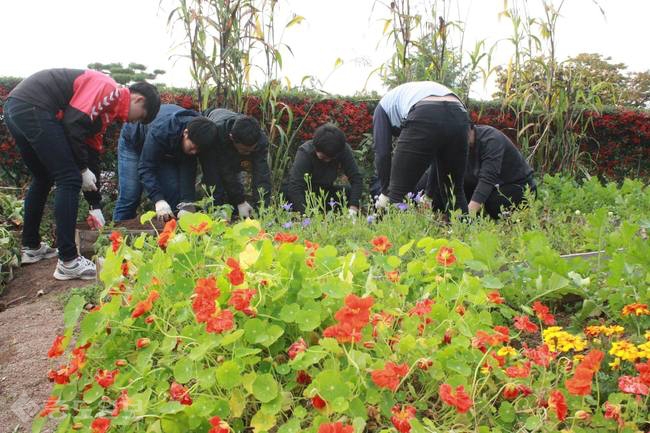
195 223
331 386
507 412
265 388
405 248
206 378
308 320
93 393
255 330
184 370
262 422
170 407
232 337
249 256
146 217
139 242
308 358
236 403
339 404
289 312
291 426
72 310
228 374
178 244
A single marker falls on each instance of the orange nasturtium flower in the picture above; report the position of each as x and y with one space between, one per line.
381 244
446 256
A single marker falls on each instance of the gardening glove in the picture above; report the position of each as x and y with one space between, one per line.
352 212
382 202
245 210
96 219
88 180
163 211
185 208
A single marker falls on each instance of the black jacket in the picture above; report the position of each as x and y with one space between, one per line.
494 160
223 162
322 174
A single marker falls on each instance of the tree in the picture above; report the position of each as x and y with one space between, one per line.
126 75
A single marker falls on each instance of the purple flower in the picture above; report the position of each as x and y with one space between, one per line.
287 225
410 196
333 203
420 196
402 206
370 219
287 206
306 222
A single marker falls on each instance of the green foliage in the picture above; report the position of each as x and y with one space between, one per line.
126 75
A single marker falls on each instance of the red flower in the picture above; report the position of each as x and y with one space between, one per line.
204 304
495 297
381 244
390 376
446 256
236 275
401 418
121 403
180 393
644 372
221 322
636 309
303 378
116 240
105 378
240 299
200 229
167 233
524 324
421 308
100 425
520 371
318 402
393 276
510 391
51 406
343 333
285 238
146 305
296 348
632 385
557 402
543 313
461 400
142 342
125 268
336 427
580 383
613 411
540 356
218 425
58 347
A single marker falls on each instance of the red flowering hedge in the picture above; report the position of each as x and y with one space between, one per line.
619 141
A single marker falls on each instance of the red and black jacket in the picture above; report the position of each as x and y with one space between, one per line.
85 101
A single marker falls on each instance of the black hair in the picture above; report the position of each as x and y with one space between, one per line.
151 98
329 139
246 130
203 132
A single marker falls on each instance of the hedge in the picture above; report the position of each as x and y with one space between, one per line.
618 142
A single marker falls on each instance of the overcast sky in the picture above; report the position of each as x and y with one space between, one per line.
39 34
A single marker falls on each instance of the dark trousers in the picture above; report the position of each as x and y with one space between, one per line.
42 143
435 132
503 197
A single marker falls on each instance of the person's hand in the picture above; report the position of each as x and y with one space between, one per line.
353 211
163 211
474 206
185 208
96 219
382 202
245 210
88 180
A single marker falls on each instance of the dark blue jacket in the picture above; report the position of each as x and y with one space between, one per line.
161 140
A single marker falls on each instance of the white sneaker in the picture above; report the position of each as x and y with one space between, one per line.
30 255
80 268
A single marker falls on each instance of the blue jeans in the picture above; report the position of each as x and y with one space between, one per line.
176 179
43 145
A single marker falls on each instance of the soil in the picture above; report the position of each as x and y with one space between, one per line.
27 328
133 224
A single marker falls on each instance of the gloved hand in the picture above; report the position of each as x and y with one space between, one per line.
163 211
88 180
353 212
245 210
382 202
96 219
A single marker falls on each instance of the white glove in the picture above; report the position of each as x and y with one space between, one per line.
245 210
352 212
88 180
163 210
97 217
382 202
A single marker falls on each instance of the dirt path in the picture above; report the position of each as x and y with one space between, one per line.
27 329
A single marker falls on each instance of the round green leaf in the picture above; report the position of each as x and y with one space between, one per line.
265 388
228 374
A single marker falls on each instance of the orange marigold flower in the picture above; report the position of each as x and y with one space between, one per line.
381 244
402 416
180 394
495 297
445 256
100 425
285 238
105 378
390 376
460 399
58 346
543 313
557 402
524 324
636 309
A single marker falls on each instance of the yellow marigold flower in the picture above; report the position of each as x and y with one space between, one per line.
614 329
615 364
507 351
644 350
558 340
647 335
625 350
636 309
577 358
593 331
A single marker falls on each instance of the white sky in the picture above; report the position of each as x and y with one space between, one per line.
39 34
